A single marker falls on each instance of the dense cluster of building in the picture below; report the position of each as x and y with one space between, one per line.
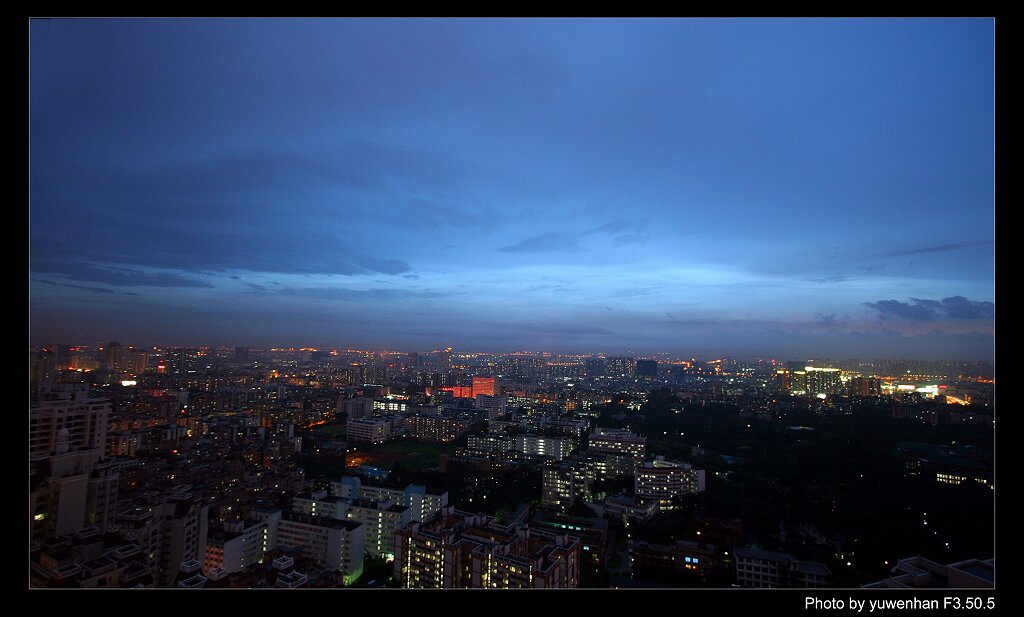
181 467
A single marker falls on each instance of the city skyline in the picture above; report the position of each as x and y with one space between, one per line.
744 187
663 356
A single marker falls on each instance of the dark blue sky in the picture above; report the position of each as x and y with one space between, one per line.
755 187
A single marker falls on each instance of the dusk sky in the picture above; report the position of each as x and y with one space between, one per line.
776 187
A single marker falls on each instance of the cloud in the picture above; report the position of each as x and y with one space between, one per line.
561 330
344 293
116 276
918 309
545 243
83 287
384 266
902 310
419 213
835 278
959 307
937 248
259 211
645 290
555 287
619 233
626 239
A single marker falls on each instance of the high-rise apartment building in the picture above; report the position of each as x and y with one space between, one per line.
864 386
822 380
169 528
565 482
620 367
358 407
42 368
136 362
183 523
70 490
381 519
65 417
646 368
493 407
115 357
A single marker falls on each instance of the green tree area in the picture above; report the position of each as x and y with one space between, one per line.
837 493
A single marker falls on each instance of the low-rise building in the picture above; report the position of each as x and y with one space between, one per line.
540 445
335 544
592 532
763 569
947 464
920 573
89 558
436 428
680 560
490 443
575 428
420 502
666 481
617 440
236 545
455 549
630 507
371 430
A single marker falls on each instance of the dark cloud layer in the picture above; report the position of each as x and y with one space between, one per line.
259 211
102 290
565 330
955 307
114 275
396 179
